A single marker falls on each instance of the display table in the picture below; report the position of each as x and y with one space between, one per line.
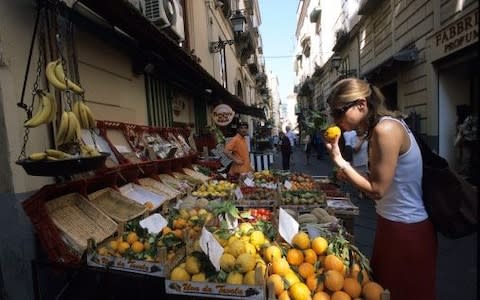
261 160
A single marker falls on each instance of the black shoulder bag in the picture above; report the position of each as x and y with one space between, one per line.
451 202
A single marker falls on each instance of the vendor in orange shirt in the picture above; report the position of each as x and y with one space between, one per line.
237 150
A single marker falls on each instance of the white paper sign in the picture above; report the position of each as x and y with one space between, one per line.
287 226
238 193
249 182
211 247
288 185
154 223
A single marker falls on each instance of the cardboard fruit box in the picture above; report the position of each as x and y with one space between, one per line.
157 266
219 290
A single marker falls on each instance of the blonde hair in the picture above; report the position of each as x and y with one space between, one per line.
351 89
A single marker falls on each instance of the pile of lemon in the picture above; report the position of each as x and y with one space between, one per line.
214 189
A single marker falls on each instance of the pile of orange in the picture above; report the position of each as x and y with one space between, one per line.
308 272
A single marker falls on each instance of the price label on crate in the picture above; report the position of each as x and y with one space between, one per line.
211 247
154 223
238 193
287 226
249 182
288 185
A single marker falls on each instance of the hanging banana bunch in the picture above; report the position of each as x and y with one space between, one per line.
69 129
84 114
46 111
56 76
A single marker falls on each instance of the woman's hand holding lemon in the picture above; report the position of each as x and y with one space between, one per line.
332 135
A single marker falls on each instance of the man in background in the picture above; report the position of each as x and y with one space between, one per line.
237 150
286 150
291 136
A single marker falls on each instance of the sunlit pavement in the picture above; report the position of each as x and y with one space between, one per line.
457 263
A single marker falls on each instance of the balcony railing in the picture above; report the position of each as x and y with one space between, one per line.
252 64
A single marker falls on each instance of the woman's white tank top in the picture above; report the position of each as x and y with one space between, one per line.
403 200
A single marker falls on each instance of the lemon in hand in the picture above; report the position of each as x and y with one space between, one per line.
332 132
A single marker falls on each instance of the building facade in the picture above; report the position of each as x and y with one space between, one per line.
422 54
136 65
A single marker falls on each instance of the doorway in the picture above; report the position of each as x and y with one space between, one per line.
456 90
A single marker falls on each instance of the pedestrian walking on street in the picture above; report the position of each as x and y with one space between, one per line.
359 153
291 136
286 149
405 240
318 144
307 141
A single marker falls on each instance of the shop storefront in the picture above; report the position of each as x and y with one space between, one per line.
454 56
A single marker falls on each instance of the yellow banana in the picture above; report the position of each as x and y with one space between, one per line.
62 128
51 158
37 156
94 152
62 78
91 119
53 102
50 73
57 154
74 131
76 111
84 151
84 116
42 114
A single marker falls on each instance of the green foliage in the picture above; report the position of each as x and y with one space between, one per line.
224 208
349 253
267 228
314 120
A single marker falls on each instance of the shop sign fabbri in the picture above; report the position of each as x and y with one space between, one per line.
222 115
455 36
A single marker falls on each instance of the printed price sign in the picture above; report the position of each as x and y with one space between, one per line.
287 226
211 247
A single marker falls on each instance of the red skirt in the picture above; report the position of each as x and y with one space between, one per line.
404 259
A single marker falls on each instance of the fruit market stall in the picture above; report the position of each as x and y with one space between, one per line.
260 261
207 237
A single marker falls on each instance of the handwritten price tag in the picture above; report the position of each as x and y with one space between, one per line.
288 185
238 193
154 223
249 182
211 247
287 226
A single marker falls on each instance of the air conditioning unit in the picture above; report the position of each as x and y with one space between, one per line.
160 12
166 13
178 27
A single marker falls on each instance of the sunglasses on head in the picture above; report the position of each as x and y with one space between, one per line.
339 111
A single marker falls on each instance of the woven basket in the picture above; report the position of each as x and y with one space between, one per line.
116 205
79 220
159 188
50 237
